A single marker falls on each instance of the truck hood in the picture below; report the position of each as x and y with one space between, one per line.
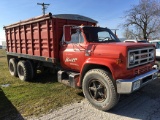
130 45
115 50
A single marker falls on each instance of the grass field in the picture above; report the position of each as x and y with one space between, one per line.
32 98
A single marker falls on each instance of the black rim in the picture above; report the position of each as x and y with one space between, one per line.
97 90
21 71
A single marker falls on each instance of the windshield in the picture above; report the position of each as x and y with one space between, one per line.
100 35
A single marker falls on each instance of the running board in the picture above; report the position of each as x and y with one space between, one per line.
68 78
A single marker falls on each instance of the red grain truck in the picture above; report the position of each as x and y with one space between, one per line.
85 56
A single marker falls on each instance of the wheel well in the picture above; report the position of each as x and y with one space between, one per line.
88 67
9 57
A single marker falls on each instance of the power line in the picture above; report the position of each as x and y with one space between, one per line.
44 7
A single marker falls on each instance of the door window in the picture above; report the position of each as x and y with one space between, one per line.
76 37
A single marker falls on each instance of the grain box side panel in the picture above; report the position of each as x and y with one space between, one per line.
35 39
51 37
12 39
44 38
28 39
16 32
23 39
8 41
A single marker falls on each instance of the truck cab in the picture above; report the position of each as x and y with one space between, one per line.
78 43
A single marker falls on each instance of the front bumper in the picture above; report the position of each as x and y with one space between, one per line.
126 86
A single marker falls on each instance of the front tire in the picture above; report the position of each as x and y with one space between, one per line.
99 89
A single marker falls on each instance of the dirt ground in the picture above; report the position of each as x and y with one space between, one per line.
143 104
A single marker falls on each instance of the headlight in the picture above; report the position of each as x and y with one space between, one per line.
131 58
152 54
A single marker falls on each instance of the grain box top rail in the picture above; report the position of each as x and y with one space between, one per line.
50 16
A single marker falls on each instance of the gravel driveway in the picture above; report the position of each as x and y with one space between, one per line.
143 104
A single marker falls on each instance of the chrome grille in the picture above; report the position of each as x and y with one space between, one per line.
141 56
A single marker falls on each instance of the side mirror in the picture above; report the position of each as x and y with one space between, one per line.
67 33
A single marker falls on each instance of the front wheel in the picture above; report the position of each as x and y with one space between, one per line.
99 89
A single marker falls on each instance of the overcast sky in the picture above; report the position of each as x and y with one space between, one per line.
108 13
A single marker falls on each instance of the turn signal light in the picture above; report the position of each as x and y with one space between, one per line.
118 61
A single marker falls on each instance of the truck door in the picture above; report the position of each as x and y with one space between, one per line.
72 53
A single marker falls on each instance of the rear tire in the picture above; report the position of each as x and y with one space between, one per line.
99 89
24 70
32 68
13 67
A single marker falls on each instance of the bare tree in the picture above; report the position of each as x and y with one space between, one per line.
128 33
143 19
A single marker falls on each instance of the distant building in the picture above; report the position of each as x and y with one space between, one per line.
3 44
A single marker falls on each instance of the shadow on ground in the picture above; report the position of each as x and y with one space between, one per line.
7 109
45 77
143 104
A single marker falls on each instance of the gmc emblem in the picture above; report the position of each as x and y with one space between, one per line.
144 56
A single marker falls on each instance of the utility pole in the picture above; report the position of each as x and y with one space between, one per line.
44 7
115 31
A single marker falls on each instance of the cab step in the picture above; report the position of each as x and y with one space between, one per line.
68 78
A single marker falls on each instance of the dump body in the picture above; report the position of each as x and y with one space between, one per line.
41 36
